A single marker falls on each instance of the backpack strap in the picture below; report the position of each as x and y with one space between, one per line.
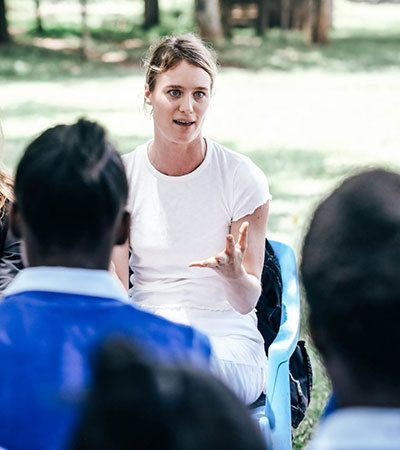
269 305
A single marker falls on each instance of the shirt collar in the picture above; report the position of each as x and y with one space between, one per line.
359 428
94 283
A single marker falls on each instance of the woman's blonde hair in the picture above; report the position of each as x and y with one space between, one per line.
6 183
170 51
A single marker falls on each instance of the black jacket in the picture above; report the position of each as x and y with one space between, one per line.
10 255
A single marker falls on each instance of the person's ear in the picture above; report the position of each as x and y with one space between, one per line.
147 95
15 220
123 228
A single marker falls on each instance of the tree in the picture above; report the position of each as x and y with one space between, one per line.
4 34
151 13
323 22
39 23
85 29
208 19
313 17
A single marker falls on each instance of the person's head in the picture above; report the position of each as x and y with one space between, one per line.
180 74
70 195
351 273
135 403
172 50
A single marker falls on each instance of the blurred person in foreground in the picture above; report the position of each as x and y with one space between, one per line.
138 404
351 273
10 253
69 210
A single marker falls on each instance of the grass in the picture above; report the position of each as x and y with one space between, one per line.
307 115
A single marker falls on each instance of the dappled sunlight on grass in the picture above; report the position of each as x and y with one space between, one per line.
305 130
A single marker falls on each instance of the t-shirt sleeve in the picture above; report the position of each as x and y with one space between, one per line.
250 189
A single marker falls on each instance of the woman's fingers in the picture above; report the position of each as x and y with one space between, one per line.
243 236
215 261
230 247
230 255
210 262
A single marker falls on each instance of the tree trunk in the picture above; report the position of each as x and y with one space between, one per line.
285 14
318 21
151 14
85 30
324 21
226 22
208 19
313 17
39 23
300 14
263 17
4 34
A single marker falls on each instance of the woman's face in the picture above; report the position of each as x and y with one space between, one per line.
180 100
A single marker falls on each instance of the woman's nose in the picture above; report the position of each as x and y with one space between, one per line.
186 104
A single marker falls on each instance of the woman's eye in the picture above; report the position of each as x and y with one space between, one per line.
174 92
199 94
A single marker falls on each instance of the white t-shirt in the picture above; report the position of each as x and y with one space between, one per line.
180 219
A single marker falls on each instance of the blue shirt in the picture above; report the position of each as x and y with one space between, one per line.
52 321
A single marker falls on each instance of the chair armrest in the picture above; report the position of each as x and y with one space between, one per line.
277 407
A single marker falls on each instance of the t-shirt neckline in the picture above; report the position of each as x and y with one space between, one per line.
180 178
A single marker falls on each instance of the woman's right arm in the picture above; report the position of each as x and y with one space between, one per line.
120 259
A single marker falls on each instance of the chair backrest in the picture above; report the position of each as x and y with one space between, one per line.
277 407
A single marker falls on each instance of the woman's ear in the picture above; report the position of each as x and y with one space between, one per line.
147 95
15 220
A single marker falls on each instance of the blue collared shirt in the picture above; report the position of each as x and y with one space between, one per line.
52 321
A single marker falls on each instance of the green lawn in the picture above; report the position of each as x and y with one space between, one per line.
308 116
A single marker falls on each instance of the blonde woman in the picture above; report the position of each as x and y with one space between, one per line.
199 214
10 254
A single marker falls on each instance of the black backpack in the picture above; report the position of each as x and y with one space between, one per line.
269 309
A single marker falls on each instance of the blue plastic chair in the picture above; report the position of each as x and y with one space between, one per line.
275 417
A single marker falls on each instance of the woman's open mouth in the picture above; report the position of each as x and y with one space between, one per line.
183 123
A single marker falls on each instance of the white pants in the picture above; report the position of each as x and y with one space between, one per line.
247 382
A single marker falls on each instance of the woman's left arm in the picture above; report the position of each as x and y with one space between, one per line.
240 264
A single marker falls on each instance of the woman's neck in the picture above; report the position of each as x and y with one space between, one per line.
177 159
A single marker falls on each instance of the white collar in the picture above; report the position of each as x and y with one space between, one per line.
359 428
95 283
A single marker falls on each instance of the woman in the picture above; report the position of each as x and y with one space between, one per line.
10 255
199 214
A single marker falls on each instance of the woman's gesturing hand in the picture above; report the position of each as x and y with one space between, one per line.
228 263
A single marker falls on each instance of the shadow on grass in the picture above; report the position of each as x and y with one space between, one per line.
26 62
359 52
355 53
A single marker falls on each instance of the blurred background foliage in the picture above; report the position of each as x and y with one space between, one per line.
310 90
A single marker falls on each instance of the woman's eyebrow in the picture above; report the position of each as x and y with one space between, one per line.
178 86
